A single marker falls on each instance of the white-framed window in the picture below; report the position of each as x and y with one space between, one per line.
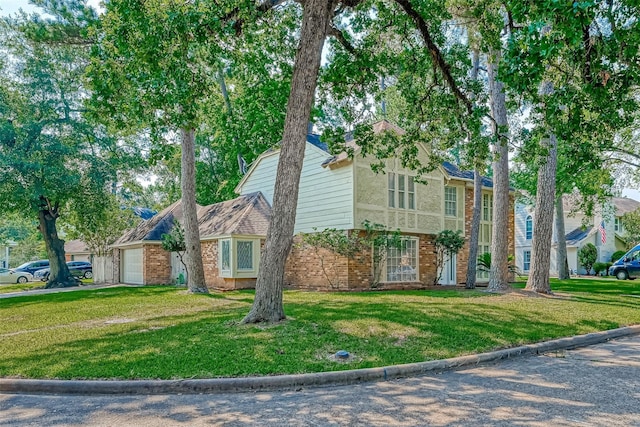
451 201
528 228
401 264
245 255
401 191
238 256
526 260
487 207
392 189
225 257
618 226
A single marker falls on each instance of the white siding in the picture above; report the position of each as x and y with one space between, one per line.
326 196
522 211
263 177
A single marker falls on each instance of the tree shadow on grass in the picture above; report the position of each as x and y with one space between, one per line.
396 328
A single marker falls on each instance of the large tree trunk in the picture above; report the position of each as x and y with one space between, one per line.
543 221
268 306
561 253
474 233
59 275
193 254
472 265
499 274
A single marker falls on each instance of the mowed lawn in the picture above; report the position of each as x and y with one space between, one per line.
7 288
166 333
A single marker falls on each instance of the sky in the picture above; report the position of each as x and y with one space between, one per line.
9 7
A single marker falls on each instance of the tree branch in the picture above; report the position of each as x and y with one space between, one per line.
616 159
339 35
435 53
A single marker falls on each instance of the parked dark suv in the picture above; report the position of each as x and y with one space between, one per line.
81 269
33 266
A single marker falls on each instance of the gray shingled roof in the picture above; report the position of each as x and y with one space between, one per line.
574 237
247 214
455 172
154 228
75 247
624 205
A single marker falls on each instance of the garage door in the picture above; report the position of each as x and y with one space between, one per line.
132 266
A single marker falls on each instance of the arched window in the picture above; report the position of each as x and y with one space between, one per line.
528 226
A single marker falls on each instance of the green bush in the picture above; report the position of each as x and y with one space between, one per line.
484 263
587 256
617 255
599 267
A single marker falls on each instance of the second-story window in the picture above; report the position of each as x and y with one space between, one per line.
528 228
392 189
450 201
487 207
618 226
402 194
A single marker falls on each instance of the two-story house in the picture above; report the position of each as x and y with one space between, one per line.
337 192
342 193
604 229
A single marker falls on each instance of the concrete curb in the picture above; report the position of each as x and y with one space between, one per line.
294 382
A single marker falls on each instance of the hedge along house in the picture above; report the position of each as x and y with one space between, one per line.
231 235
341 192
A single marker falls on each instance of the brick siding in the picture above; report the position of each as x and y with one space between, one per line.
305 265
156 265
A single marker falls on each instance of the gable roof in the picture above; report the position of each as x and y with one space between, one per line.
154 228
576 236
624 205
248 214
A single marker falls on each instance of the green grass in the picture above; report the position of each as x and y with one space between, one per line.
17 287
163 332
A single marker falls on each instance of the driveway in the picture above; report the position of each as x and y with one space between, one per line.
592 386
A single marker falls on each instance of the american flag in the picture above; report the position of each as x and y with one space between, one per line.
603 233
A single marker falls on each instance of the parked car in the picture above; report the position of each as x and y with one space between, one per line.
11 276
627 267
32 266
76 268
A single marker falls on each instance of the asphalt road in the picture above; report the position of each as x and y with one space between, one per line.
593 386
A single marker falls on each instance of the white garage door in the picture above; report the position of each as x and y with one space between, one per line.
132 266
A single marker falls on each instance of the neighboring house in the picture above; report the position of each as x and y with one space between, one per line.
77 250
231 234
341 192
580 231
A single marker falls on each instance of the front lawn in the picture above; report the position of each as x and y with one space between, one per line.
29 286
19 287
163 332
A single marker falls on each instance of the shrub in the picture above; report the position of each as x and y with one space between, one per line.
484 263
587 255
599 267
617 255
